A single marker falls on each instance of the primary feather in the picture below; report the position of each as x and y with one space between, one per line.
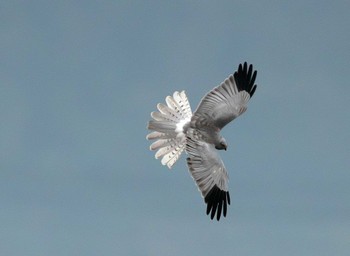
175 129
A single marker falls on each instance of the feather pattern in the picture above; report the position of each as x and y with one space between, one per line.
175 129
210 175
228 100
168 128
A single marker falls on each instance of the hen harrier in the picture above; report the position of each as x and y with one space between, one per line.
175 129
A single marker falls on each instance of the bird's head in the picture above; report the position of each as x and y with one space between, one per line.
221 145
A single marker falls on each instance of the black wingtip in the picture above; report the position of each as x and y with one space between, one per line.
217 200
245 78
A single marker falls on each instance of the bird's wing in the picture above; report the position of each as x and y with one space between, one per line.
210 175
228 100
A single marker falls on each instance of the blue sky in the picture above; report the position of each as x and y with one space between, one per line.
79 80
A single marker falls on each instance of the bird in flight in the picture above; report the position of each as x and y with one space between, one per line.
175 129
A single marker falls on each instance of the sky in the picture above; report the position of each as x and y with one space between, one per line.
79 80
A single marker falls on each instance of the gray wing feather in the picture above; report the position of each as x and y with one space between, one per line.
206 166
228 100
210 175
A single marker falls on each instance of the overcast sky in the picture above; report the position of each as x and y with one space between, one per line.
78 80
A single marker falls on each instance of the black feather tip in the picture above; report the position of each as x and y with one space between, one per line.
217 201
245 78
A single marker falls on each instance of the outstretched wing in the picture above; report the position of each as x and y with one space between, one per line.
228 100
210 175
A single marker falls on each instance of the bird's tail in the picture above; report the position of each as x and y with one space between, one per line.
168 128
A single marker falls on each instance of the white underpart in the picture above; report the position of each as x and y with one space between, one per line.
180 129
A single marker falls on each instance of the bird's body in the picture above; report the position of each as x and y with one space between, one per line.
175 129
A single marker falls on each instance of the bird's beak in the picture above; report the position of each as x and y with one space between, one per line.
225 148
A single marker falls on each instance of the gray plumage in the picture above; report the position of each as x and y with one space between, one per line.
175 129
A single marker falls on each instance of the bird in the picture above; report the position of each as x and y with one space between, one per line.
175 129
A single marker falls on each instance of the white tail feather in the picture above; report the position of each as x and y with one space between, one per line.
158 135
167 126
163 143
162 117
168 111
170 158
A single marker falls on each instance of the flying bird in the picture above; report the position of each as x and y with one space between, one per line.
176 129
